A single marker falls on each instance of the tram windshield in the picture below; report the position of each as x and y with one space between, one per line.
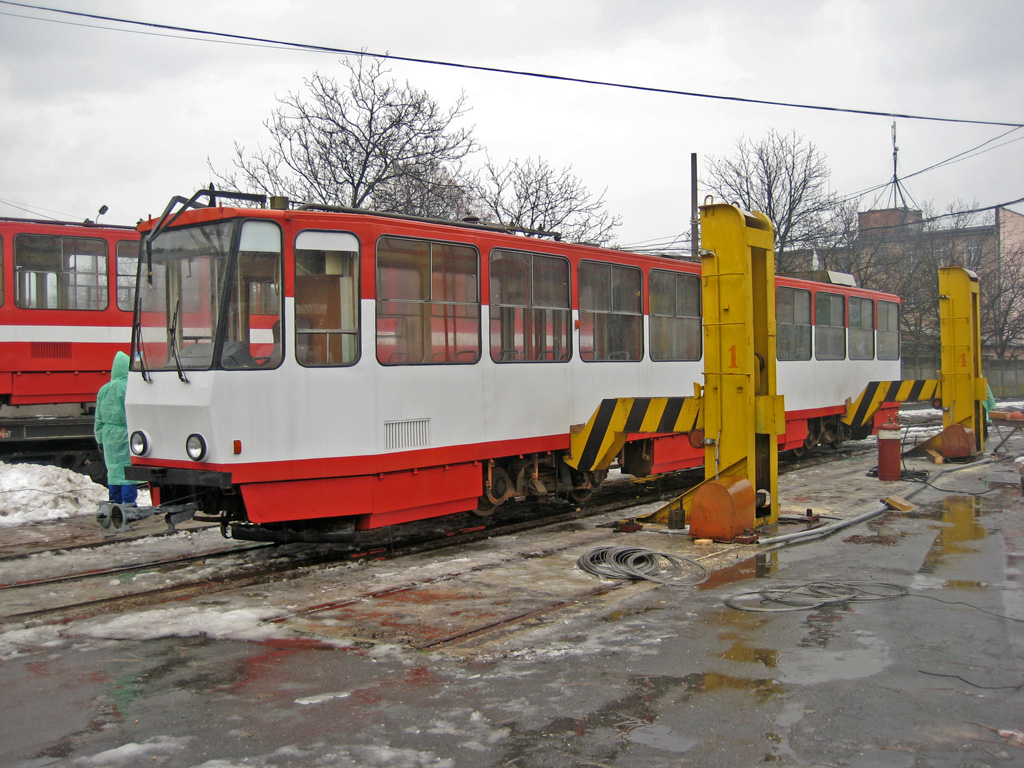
209 296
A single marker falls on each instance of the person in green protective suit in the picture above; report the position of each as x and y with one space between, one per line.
111 431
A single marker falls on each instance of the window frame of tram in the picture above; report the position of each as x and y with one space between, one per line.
1 272
127 261
611 312
326 270
530 307
428 302
248 299
829 330
888 330
183 290
58 272
675 316
861 314
793 324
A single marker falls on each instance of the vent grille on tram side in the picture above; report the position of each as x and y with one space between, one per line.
413 433
59 350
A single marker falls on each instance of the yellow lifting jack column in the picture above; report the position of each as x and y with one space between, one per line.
963 389
960 386
743 414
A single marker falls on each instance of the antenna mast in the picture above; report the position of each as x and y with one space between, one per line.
899 193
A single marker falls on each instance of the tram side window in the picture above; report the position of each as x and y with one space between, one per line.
611 312
888 330
675 316
326 298
829 326
1 272
428 302
127 264
793 317
54 272
530 308
862 328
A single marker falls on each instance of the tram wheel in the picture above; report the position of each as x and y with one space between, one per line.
500 490
501 487
591 482
484 507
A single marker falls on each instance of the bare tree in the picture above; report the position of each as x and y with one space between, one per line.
533 195
369 143
1002 307
446 194
786 178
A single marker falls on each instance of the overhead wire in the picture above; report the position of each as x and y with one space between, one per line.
967 154
960 156
237 39
34 211
946 215
506 71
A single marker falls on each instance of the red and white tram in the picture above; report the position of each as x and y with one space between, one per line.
304 371
66 302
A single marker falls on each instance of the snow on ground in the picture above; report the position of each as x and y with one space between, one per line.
32 493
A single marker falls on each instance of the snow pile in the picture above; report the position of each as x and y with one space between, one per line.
216 621
230 621
31 493
158 747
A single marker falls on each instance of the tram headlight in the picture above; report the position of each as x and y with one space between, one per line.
195 447
139 443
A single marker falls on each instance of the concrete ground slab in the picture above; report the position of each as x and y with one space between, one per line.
503 653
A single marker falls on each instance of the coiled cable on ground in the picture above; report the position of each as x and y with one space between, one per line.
613 562
812 595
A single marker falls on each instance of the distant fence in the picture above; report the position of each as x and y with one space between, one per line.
1005 377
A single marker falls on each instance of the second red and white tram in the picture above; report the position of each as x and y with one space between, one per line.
66 301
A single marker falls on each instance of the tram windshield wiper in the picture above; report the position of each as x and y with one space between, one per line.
140 347
173 330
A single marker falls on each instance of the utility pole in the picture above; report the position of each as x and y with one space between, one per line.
694 210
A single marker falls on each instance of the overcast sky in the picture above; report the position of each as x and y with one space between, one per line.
96 113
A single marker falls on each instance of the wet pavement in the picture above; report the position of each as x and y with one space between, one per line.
502 653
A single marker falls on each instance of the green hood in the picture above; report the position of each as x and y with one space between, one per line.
119 369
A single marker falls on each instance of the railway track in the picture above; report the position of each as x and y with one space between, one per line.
98 591
87 590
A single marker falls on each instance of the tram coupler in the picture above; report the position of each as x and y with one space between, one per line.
119 517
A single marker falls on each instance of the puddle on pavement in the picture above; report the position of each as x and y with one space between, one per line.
761 566
659 737
825 652
634 718
743 653
864 654
960 518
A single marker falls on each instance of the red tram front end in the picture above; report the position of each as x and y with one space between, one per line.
66 301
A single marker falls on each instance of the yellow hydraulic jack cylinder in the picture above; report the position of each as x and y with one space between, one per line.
743 414
960 386
964 390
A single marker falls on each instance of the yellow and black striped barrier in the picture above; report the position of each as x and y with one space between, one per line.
599 441
860 411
